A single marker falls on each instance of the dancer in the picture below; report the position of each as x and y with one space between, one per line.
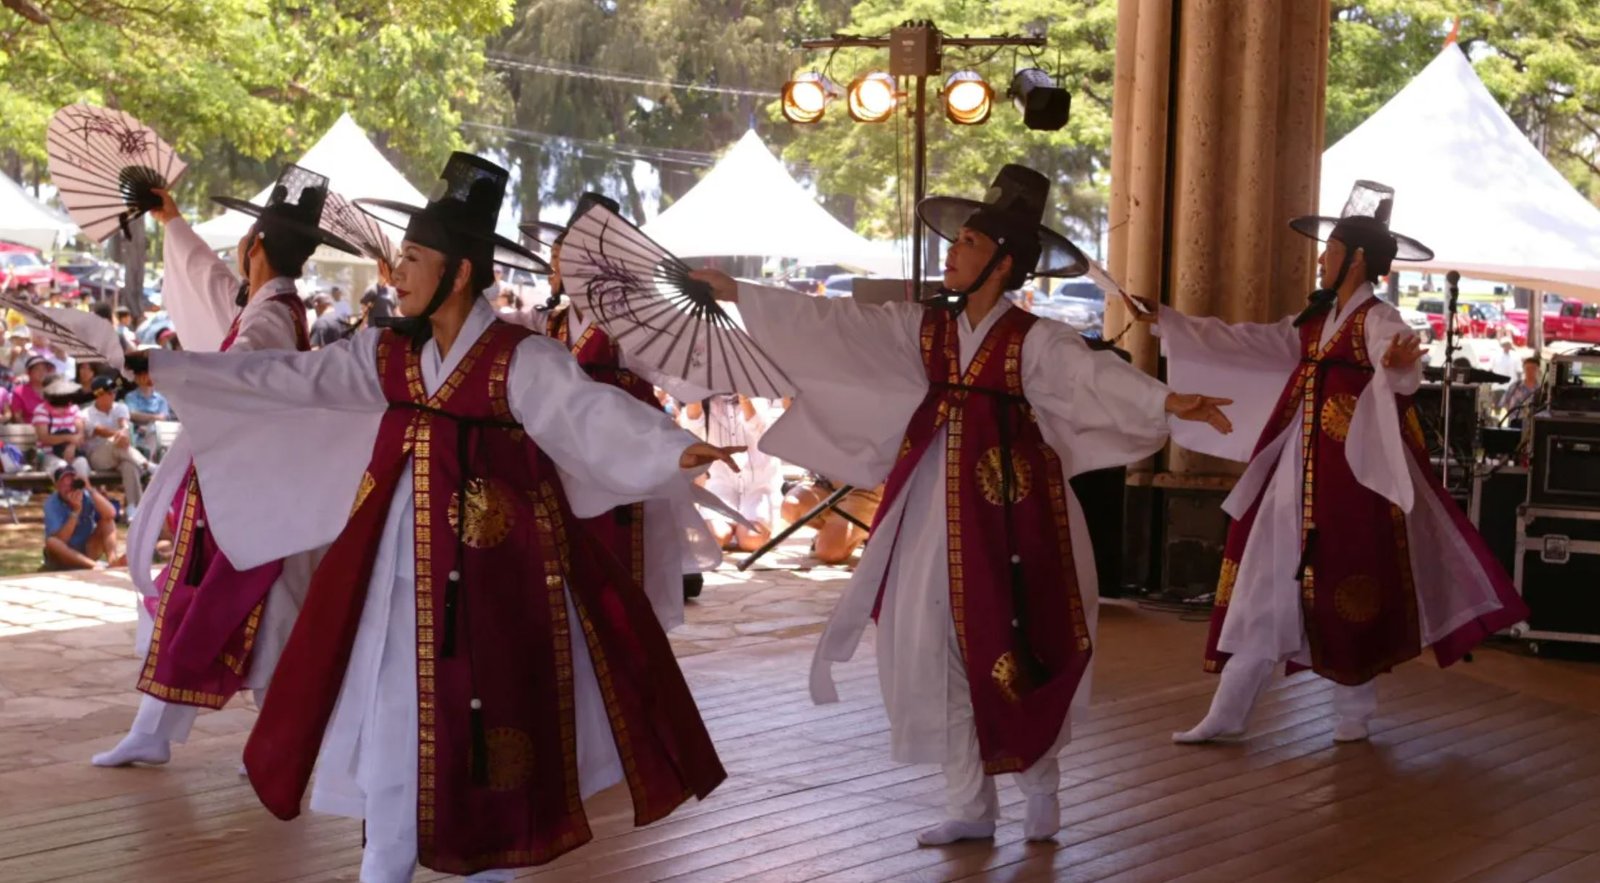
1345 555
979 571
208 627
469 664
663 543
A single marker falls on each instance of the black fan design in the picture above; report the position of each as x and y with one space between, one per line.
105 164
344 220
77 333
642 295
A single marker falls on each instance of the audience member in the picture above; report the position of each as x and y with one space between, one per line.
109 440
145 408
326 329
58 423
29 395
80 531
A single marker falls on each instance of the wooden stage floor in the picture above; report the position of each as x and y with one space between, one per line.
1490 772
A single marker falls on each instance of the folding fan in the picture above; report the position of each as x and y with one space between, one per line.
645 300
358 228
106 163
77 333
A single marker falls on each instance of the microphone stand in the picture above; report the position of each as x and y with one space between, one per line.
1451 279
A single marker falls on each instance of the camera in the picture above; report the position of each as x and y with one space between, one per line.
79 484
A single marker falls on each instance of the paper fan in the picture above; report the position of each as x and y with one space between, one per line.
343 219
645 300
77 333
105 163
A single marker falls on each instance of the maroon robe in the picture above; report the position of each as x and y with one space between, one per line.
1023 666
621 530
497 754
1356 590
208 612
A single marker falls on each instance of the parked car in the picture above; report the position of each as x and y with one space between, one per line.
1075 302
21 264
1565 318
1418 323
840 284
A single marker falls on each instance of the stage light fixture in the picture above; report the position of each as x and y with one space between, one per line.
872 97
806 97
1045 106
967 98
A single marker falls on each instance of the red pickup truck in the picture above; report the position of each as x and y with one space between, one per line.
1565 318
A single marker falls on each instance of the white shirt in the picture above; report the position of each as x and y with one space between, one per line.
94 418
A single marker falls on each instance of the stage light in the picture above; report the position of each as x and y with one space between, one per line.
1044 105
967 98
872 97
806 97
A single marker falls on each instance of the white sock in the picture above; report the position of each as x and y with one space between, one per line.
1243 679
1350 730
953 830
136 748
1043 818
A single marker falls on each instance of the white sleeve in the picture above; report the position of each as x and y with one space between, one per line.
610 448
1374 447
198 291
1248 363
1095 410
265 325
342 376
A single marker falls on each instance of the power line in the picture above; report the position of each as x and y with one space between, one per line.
654 154
565 69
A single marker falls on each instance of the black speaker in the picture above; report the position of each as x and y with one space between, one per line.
1463 418
1494 511
1100 493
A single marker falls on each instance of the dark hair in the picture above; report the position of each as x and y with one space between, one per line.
103 310
287 252
123 311
1531 360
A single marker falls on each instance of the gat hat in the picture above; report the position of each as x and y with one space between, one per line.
462 210
1364 224
1011 213
545 235
294 206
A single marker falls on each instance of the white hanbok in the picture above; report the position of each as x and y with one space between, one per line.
861 377
609 449
199 292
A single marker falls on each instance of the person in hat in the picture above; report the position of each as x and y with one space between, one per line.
663 543
80 531
1345 554
19 341
58 422
208 628
108 438
29 395
469 664
979 571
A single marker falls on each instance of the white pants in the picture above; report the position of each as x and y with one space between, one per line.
127 461
1245 677
970 793
169 720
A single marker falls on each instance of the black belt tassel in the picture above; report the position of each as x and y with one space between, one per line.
1305 555
480 746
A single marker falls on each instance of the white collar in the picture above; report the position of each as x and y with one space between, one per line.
478 321
989 318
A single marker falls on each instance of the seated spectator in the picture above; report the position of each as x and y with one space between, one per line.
732 420
108 439
326 329
88 371
837 538
19 350
124 320
62 362
28 396
145 408
59 423
80 532
167 339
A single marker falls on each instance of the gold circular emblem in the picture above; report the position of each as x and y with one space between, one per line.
491 512
510 758
1336 413
1006 675
367 484
1357 599
989 475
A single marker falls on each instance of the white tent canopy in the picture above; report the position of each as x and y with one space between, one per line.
28 221
748 205
354 168
1470 185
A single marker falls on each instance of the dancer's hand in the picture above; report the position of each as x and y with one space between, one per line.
701 454
1204 409
723 286
1404 351
1151 311
168 209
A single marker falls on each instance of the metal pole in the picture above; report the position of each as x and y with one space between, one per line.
919 185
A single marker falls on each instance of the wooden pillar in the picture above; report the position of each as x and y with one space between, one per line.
1217 127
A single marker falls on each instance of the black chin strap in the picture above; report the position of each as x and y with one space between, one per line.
956 301
417 328
1323 298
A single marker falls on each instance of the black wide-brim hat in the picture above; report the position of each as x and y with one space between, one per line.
546 235
295 205
1366 210
465 203
1017 191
